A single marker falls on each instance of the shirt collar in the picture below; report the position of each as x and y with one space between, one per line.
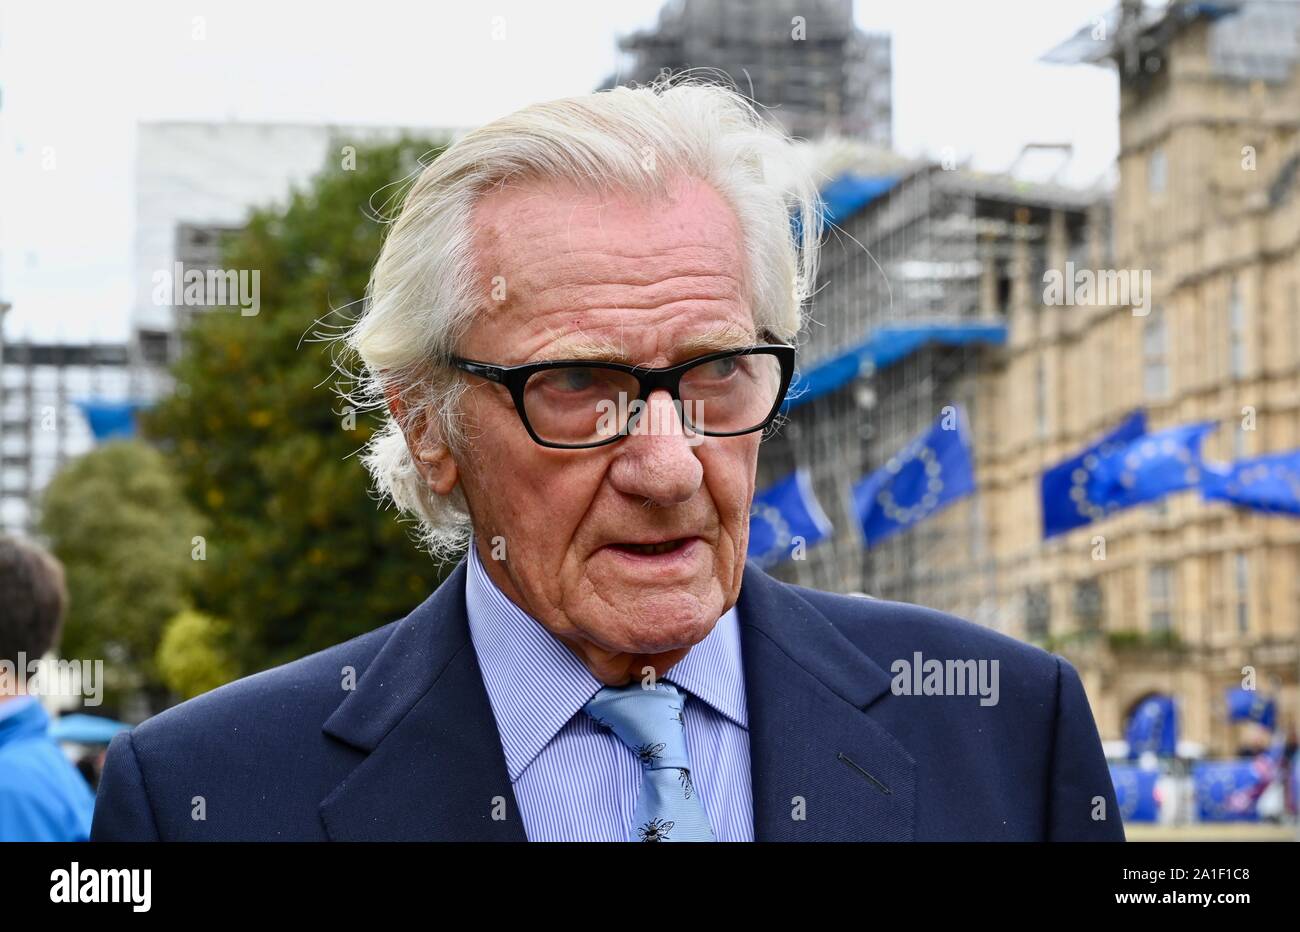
516 655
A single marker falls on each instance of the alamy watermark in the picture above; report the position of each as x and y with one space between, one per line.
1100 288
37 677
613 415
77 884
182 287
921 677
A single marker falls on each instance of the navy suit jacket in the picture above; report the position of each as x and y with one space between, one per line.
412 752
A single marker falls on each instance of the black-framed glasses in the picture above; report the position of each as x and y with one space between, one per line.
575 404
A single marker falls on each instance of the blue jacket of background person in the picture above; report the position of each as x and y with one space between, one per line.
42 796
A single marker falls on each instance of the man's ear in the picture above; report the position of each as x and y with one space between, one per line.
424 439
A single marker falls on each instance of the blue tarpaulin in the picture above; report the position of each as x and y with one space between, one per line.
845 196
849 193
86 729
109 419
882 348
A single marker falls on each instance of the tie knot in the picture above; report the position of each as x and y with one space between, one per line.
649 720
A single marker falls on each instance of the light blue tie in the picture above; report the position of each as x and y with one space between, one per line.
651 723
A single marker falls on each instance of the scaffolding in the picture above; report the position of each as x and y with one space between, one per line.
40 424
938 247
805 59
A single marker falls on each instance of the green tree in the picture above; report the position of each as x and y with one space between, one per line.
118 520
192 656
300 554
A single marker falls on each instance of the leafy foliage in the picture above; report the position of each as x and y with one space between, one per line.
300 555
192 656
118 521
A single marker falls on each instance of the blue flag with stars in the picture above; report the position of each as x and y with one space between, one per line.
929 474
1153 727
1135 792
784 515
1151 467
1227 790
1072 493
1269 483
1247 705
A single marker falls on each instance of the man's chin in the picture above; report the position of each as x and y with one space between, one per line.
655 634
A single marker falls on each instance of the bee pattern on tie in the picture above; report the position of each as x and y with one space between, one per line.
649 753
655 830
648 721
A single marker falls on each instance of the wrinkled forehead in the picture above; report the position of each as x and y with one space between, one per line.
566 271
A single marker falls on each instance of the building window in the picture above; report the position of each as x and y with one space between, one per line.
1242 566
1040 396
1157 172
1236 333
1295 310
1038 613
1088 605
1160 598
1155 355
1003 272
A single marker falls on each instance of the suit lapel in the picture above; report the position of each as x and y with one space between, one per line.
434 769
814 751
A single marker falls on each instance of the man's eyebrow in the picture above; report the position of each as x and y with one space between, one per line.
721 338
584 347
714 340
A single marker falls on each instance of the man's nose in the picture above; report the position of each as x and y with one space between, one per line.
657 460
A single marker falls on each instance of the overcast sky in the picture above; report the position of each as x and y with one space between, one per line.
76 77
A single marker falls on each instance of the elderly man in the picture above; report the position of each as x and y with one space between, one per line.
580 325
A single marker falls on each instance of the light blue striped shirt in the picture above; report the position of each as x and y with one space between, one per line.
574 781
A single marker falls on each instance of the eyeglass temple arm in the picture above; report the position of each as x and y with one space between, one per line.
494 373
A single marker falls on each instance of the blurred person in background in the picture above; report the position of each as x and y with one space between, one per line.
42 795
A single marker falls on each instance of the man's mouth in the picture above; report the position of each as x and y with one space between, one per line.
651 550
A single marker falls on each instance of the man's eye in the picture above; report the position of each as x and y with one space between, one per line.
719 368
569 380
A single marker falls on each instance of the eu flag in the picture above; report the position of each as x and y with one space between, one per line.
1135 792
1153 727
1269 483
1072 494
1247 705
1151 467
930 473
782 516
1227 790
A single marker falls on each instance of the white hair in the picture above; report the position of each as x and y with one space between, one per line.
425 288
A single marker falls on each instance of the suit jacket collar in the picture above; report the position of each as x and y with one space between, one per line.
822 768
434 769
433 766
